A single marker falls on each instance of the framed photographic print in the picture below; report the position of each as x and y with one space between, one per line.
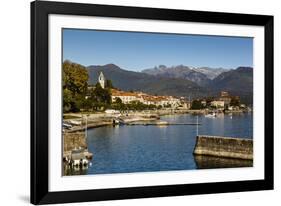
131 102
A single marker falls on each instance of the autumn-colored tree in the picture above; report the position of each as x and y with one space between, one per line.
75 78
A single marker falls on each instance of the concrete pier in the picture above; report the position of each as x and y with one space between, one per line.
227 147
82 128
160 123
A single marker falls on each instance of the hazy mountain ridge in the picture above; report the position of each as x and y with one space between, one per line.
202 75
238 82
211 73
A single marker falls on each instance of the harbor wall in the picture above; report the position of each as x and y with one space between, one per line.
74 140
228 147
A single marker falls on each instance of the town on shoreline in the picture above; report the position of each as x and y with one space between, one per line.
103 97
105 105
91 106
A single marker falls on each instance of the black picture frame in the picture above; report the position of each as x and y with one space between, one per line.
39 102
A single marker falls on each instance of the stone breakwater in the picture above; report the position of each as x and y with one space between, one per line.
72 141
227 147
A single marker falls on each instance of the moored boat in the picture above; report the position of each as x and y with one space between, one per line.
211 115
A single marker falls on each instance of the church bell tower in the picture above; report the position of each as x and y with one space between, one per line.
102 80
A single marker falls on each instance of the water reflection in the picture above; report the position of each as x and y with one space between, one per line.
210 162
75 170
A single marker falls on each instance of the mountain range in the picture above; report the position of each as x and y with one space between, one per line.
180 80
201 75
138 81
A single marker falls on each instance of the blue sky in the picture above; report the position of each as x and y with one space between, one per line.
137 50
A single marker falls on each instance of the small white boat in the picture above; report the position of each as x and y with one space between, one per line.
76 163
75 122
78 158
212 115
116 121
84 162
66 126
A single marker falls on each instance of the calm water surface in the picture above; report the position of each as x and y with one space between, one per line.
124 149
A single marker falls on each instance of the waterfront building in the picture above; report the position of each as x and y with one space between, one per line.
126 97
226 97
224 94
226 100
218 104
174 102
204 103
156 100
184 105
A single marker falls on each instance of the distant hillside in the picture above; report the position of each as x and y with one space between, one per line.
211 73
237 82
129 80
201 76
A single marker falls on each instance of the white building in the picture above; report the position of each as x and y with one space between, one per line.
126 97
217 104
161 101
174 102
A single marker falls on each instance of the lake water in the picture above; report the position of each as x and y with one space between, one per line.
124 149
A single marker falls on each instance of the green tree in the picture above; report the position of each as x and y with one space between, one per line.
67 100
209 100
100 98
234 102
167 105
118 100
159 107
87 104
196 104
102 95
108 84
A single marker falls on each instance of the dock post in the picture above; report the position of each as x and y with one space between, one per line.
197 126
86 127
